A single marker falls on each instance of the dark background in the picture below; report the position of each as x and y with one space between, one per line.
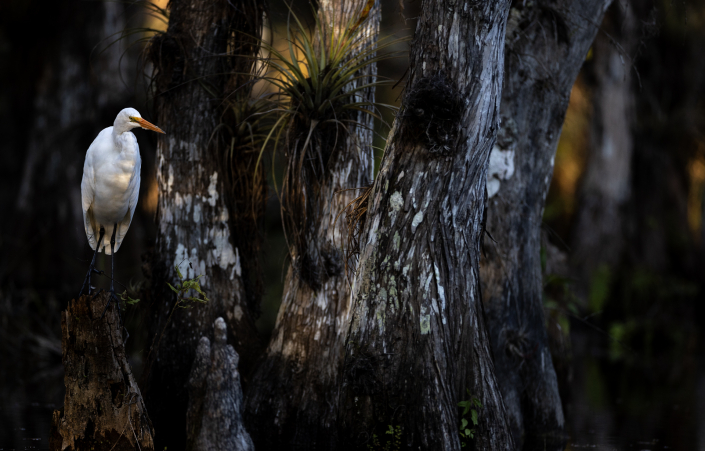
627 342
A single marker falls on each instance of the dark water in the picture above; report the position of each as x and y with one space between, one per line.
25 427
642 402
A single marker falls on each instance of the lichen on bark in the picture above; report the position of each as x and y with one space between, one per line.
417 341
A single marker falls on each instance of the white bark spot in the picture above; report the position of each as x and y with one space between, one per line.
237 312
441 291
224 253
290 349
501 168
197 213
321 300
396 201
418 217
424 321
188 198
212 189
170 179
181 259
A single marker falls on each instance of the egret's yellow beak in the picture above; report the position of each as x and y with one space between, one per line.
147 125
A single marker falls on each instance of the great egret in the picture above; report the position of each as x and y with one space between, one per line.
110 187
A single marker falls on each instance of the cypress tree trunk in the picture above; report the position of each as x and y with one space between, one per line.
545 45
103 408
606 185
195 70
417 344
292 400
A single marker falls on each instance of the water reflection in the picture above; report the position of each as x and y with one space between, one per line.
25 426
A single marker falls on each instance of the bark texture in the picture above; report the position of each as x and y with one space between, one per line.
195 70
103 407
417 343
606 184
545 46
214 420
292 401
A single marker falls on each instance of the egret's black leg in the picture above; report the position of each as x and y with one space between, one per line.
112 277
91 268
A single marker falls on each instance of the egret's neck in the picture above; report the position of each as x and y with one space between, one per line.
122 137
121 126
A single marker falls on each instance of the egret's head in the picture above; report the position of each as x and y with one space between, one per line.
130 118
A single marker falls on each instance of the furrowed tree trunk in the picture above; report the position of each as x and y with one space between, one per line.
194 70
545 46
103 408
417 344
606 184
292 400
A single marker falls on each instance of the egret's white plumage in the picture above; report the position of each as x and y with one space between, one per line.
111 179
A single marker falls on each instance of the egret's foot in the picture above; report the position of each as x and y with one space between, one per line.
96 294
111 298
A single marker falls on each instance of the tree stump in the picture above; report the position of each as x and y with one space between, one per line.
103 407
214 417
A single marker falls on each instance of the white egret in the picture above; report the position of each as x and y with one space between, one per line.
110 187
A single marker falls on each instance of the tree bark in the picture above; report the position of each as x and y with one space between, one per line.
606 184
545 46
417 344
103 408
292 402
214 419
196 69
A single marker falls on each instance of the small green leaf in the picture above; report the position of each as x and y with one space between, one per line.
468 432
178 273
474 416
463 423
172 288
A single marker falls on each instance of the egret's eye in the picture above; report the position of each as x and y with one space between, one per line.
134 119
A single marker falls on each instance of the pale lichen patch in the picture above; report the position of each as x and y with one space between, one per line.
501 167
439 287
396 202
238 312
212 189
424 321
170 179
418 217
197 213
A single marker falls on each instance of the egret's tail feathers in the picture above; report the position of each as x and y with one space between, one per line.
105 244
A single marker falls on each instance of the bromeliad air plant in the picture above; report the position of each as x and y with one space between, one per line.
322 82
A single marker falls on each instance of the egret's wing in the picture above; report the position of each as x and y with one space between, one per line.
134 188
87 195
